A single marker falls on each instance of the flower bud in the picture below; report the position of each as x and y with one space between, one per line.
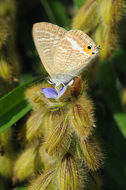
82 117
73 90
69 176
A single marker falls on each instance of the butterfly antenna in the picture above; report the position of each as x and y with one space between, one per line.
98 47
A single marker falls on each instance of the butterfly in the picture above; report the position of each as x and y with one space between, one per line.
64 54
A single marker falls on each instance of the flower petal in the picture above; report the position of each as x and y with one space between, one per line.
62 90
50 92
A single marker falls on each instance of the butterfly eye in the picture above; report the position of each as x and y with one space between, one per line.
93 53
89 47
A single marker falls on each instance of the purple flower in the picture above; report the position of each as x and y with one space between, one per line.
53 93
50 92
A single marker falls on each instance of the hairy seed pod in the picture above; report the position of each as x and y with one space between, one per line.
106 11
111 11
92 154
107 38
77 87
72 91
100 19
3 32
87 17
34 125
8 14
52 119
82 117
33 95
46 159
5 70
26 165
6 164
7 154
69 176
123 97
58 138
43 181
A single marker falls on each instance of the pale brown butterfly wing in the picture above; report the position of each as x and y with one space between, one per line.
70 57
46 38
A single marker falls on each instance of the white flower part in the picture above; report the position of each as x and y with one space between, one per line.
71 82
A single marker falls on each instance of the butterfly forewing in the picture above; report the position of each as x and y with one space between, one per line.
70 57
46 38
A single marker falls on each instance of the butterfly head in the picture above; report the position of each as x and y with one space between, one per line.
91 49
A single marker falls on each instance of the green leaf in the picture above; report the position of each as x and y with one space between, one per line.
108 81
117 170
113 145
13 106
79 3
25 77
20 188
56 12
119 59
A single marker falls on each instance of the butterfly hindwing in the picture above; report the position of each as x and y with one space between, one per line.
70 57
